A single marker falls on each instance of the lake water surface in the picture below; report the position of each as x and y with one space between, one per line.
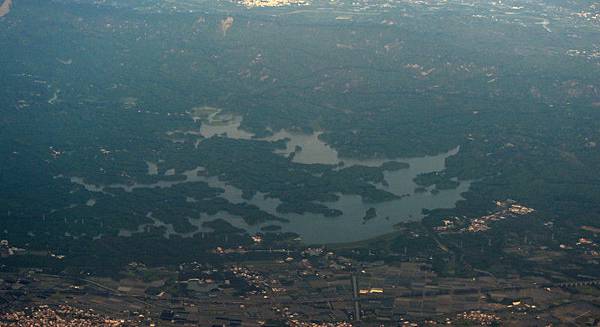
314 228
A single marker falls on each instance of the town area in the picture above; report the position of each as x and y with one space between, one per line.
308 287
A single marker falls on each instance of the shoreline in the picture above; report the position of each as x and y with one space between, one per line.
5 8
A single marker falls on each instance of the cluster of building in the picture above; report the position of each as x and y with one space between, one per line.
589 54
210 281
224 251
296 323
449 224
585 241
520 307
253 278
588 246
6 250
479 318
588 15
55 153
508 209
61 316
372 290
272 3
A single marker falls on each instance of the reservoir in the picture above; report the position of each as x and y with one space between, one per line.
313 228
